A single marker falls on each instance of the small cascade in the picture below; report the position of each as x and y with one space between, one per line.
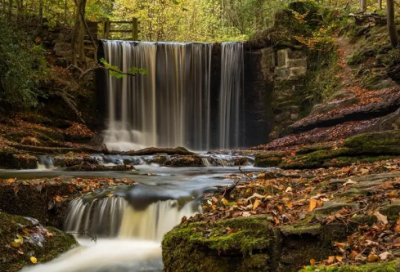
205 162
101 217
45 162
231 97
114 217
154 221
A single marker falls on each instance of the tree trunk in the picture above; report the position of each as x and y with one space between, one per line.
10 9
363 5
40 12
394 37
380 4
74 38
66 11
81 45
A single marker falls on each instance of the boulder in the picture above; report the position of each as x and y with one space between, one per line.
23 241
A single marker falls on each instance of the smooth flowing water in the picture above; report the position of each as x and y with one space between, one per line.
171 105
129 224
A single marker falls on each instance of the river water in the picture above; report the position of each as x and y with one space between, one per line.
128 226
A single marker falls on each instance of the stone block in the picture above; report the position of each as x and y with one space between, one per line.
282 73
283 57
296 72
297 63
268 58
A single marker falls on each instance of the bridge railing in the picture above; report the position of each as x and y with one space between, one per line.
121 28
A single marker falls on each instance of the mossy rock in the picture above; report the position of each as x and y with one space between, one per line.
28 232
314 147
184 161
363 148
385 142
272 159
314 159
239 244
392 266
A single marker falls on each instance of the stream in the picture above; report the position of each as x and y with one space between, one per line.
126 228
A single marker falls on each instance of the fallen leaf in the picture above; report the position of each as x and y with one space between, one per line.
289 205
331 259
313 205
372 258
312 262
340 245
381 218
33 260
256 204
350 182
384 256
246 214
352 255
11 180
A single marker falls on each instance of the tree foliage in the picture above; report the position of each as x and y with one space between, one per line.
22 67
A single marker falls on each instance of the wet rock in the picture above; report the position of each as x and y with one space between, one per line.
23 237
241 161
98 167
17 161
156 150
72 159
159 159
184 161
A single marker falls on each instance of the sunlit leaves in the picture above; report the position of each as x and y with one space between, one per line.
116 72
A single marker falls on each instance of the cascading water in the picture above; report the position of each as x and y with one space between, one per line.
114 217
230 100
127 238
171 105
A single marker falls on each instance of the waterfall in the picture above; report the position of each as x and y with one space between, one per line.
171 105
114 217
131 100
231 104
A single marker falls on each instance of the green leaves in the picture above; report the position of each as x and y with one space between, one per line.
22 68
116 72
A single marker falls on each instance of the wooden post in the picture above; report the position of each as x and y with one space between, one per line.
135 35
106 29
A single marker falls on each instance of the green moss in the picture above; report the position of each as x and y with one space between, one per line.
269 159
314 159
313 148
11 226
386 142
201 246
363 148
